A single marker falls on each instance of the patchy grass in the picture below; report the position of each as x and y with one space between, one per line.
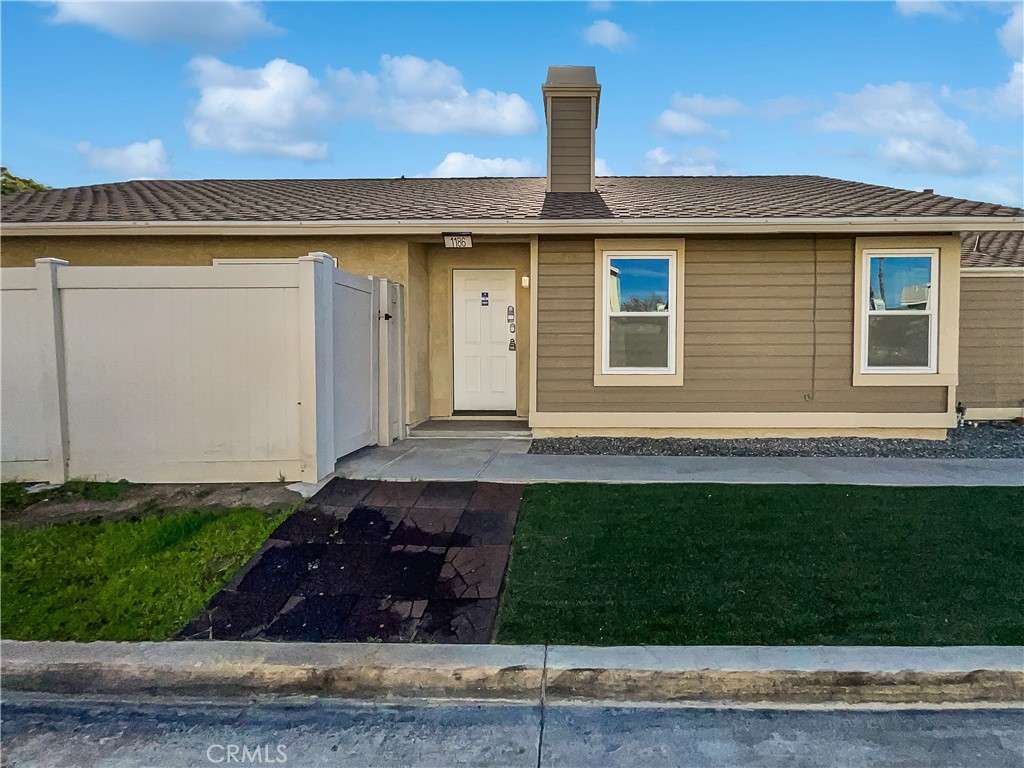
90 490
14 498
773 565
140 579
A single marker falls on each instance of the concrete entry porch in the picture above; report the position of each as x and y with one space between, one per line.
472 428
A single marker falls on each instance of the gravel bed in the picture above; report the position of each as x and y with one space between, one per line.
974 440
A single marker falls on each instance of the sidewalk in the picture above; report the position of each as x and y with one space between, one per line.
506 460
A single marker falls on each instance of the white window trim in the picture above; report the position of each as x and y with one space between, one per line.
932 312
607 314
670 245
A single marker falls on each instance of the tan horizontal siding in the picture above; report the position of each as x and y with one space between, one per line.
991 342
750 326
571 144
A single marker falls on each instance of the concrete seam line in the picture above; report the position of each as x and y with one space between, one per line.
543 708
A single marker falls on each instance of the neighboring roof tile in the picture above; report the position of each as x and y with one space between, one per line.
617 197
992 249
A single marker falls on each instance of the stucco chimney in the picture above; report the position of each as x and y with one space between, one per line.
572 96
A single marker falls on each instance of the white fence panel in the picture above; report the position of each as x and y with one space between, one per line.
23 404
189 374
355 362
178 383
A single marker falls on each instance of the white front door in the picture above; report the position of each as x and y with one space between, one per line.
484 334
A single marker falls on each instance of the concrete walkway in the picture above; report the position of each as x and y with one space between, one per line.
506 460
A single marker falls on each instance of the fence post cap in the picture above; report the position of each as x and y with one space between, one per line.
316 256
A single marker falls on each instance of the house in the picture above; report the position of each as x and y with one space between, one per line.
991 382
663 306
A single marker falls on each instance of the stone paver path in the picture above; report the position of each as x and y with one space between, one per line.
371 560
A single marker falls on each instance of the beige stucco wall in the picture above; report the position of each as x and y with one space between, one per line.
417 335
758 336
992 341
186 250
441 262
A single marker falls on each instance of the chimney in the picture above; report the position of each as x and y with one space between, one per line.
572 96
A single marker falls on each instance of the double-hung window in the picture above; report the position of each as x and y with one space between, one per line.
639 315
900 311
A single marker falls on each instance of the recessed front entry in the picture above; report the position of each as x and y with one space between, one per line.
484 335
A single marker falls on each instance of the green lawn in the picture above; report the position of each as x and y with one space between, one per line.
772 565
139 579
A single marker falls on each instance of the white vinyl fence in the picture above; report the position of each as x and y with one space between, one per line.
233 372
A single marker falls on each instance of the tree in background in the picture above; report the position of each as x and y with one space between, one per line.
12 183
653 303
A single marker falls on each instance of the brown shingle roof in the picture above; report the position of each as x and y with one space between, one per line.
617 197
992 249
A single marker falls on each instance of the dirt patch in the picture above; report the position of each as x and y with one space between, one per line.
152 499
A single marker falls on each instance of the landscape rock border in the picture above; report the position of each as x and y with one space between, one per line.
974 440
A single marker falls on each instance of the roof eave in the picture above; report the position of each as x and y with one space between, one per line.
523 226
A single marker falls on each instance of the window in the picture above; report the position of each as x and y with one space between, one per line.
639 330
900 320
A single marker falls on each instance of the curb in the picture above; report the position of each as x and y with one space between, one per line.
228 668
531 673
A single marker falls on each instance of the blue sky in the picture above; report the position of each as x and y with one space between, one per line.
910 94
640 278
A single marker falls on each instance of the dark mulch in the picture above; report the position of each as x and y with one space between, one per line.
1000 440
378 561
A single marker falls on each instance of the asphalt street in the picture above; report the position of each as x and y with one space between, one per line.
80 732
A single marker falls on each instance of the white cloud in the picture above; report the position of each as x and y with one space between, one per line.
1011 34
203 24
601 167
690 114
685 117
681 124
703 106
1009 192
926 8
916 134
699 161
599 6
461 165
418 96
609 34
143 158
272 111
1002 102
